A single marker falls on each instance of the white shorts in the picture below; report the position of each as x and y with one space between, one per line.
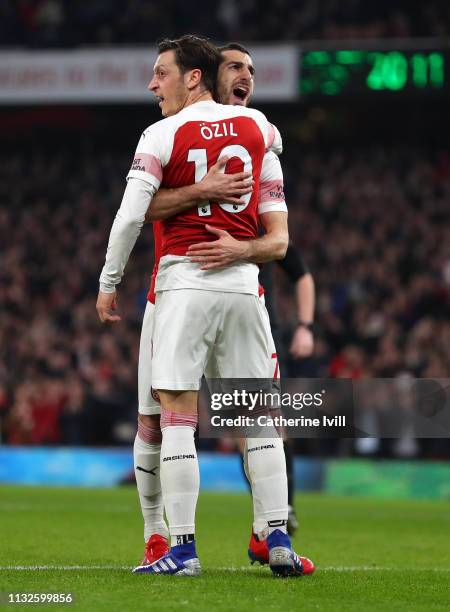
148 397
219 334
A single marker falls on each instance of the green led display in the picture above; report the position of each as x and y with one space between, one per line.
334 72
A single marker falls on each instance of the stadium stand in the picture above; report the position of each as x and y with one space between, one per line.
58 23
382 300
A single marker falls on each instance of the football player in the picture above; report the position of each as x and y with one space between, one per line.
192 305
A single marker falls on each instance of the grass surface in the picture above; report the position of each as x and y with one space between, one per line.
371 554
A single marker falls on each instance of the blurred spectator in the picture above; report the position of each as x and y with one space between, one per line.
373 224
48 23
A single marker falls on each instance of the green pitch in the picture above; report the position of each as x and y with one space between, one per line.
371 554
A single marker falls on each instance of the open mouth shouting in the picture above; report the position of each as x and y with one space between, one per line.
240 93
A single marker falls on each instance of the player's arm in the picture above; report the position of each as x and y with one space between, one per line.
273 244
226 250
215 186
302 343
122 238
272 212
144 179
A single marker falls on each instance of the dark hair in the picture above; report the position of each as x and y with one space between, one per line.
233 46
193 52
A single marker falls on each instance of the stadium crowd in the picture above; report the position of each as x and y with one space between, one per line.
68 23
371 223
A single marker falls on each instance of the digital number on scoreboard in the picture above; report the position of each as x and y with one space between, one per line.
351 71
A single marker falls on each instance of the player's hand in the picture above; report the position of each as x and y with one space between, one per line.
218 253
106 305
220 187
302 344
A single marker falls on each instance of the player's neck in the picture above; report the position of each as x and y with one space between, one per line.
197 96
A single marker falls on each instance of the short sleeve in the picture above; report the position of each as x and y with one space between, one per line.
271 188
272 136
275 143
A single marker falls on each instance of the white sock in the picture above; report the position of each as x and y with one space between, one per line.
180 479
267 470
259 522
147 457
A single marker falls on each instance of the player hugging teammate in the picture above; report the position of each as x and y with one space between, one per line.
204 315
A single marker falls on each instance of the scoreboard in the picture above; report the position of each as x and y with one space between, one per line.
334 72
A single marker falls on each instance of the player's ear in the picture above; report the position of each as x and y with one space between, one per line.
193 78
